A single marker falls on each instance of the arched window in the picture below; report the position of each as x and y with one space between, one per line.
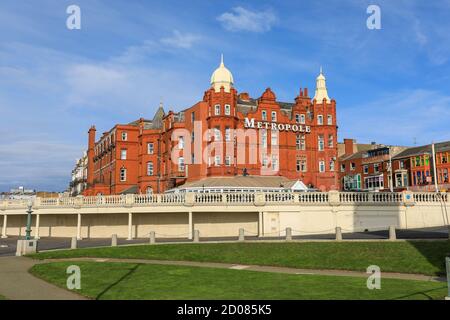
149 190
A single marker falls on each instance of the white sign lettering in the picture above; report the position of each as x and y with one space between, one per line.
251 123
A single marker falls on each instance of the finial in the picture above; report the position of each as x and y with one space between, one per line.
161 102
321 70
221 60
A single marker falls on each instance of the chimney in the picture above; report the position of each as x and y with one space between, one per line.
349 146
90 154
244 96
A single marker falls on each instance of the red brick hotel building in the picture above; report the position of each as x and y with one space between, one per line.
226 134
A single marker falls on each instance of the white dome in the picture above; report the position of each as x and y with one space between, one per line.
222 77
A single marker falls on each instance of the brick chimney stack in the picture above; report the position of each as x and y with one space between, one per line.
349 146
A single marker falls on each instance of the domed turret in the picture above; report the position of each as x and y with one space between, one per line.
321 88
222 77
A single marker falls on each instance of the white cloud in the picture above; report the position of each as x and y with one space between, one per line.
180 40
242 19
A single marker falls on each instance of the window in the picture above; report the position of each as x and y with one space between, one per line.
227 134
274 138
217 110
192 116
192 158
366 169
320 119
300 143
376 167
330 141
302 119
301 165
192 136
264 138
123 174
401 164
216 134
274 116
343 167
321 166
264 115
228 161
123 154
124 136
227 109
321 143
149 168
274 163
297 118
149 190
331 165
330 120
352 166
181 166
181 143
297 142
217 161
264 160
150 148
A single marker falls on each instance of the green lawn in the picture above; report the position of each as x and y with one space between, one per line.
2 297
140 281
424 257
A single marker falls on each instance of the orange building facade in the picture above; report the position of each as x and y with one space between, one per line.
225 134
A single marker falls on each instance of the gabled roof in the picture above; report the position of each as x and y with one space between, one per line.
426 149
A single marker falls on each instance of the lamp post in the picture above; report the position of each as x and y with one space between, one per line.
28 230
391 182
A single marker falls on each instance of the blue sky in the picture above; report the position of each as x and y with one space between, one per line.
391 85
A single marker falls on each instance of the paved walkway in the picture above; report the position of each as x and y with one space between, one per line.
17 284
387 275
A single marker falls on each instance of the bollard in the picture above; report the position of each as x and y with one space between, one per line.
114 240
73 243
392 234
241 235
338 234
288 234
196 236
152 237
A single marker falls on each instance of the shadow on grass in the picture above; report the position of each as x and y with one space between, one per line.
128 274
423 293
435 252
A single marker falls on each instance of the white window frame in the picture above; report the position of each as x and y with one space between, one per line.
123 154
227 110
181 164
150 148
321 166
228 161
321 143
124 136
330 120
264 115
320 119
274 116
217 110
150 168
123 174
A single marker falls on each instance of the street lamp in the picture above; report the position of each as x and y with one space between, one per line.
28 230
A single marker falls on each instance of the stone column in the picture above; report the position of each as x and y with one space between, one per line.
392 234
36 232
114 240
241 235
130 226
196 236
338 234
73 243
260 224
79 227
288 234
152 237
191 226
4 229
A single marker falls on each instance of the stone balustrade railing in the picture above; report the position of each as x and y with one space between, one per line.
192 199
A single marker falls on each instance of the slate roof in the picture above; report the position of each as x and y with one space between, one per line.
415 151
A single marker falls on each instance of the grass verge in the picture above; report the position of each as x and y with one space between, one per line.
422 257
139 281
